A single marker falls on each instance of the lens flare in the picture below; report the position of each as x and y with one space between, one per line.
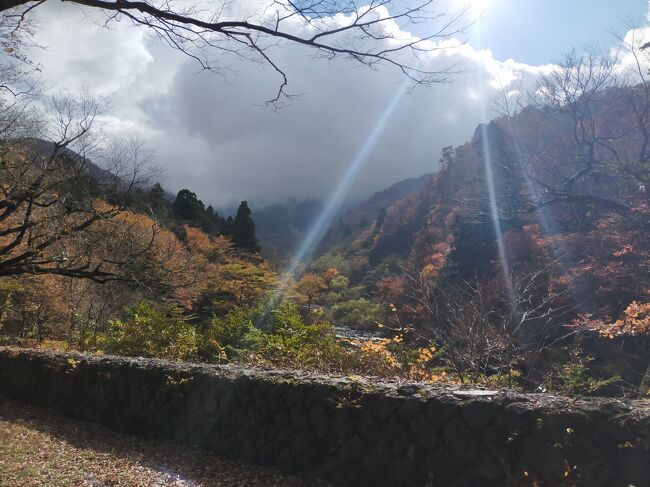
334 203
489 177
475 8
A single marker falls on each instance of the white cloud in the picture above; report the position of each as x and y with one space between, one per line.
214 135
78 52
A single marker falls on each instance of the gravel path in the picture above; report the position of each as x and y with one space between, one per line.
40 448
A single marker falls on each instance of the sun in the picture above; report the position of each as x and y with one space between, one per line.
475 8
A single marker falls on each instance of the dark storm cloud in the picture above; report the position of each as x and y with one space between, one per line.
213 134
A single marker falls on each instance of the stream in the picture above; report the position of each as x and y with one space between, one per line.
348 333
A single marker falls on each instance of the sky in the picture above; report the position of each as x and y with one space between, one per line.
213 133
537 31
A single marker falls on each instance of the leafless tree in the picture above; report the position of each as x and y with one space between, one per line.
604 153
482 327
128 165
365 32
576 89
634 161
52 217
580 139
92 305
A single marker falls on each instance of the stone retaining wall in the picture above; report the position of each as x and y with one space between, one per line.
351 432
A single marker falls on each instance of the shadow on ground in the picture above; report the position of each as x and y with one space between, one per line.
38 447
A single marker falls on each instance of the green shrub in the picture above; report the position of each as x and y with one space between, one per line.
288 340
230 336
339 284
328 261
149 332
357 313
575 378
278 335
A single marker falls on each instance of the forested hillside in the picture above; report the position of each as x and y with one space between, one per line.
83 245
376 243
281 227
529 247
372 210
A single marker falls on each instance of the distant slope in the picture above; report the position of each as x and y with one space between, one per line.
282 226
365 215
591 234
43 148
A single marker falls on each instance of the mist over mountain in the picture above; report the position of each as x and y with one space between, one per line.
281 227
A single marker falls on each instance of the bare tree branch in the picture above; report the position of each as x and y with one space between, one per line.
368 33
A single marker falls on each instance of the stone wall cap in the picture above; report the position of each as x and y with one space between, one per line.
364 385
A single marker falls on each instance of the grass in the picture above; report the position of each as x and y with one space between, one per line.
40 448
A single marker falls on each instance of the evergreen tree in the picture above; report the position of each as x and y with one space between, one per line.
213 223
157 200
226 229
188 207
243 229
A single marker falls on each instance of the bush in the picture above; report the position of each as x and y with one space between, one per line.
230 337
339 284
576 377
149 332
278 335
357 313
288 340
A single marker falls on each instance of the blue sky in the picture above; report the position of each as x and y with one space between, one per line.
537 31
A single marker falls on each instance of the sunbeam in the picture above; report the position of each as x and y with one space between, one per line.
487 162
494 207
335 201
543 216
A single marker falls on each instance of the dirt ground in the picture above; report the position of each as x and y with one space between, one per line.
41 448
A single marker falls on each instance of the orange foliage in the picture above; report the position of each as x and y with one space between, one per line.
329 275
387 356
214 249
390 289
309 286
635 321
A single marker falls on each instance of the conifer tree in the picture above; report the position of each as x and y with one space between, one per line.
188 207
157 200
227 226
213 223
243 229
